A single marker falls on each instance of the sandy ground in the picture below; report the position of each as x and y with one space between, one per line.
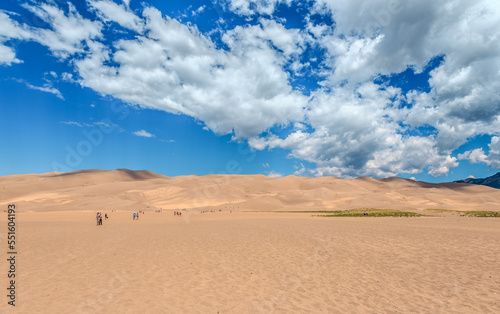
253 263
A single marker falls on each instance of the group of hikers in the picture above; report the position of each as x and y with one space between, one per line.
99 218
136 216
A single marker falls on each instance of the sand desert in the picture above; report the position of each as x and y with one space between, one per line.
248 244
125 189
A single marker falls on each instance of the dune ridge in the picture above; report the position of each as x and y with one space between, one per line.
131 190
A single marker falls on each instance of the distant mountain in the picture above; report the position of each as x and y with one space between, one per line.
493 181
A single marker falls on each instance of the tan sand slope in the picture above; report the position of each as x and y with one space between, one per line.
133 190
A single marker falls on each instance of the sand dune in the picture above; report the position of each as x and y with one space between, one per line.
132 190
238 260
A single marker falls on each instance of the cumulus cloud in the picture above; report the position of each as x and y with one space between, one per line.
7 55
374 38
353 124
474 156
478 155
355 133
143 133
177 69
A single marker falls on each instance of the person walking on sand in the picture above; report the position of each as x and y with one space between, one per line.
134 216
98 218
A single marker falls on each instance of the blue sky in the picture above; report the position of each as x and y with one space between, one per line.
346 88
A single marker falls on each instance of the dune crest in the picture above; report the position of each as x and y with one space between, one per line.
129 190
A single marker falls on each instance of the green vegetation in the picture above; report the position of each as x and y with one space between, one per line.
306 211
441 210
483 213
469 213
373 212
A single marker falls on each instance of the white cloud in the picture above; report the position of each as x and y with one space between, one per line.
274 174
356 133
72 123
251 7
478 155
494 153
474 156
442 167
301 171
47 88
105 124
7 55
199 10
69 33
177 69
143 133
359 134
9 29
68 77
381 38
289 41
350 128
121 14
